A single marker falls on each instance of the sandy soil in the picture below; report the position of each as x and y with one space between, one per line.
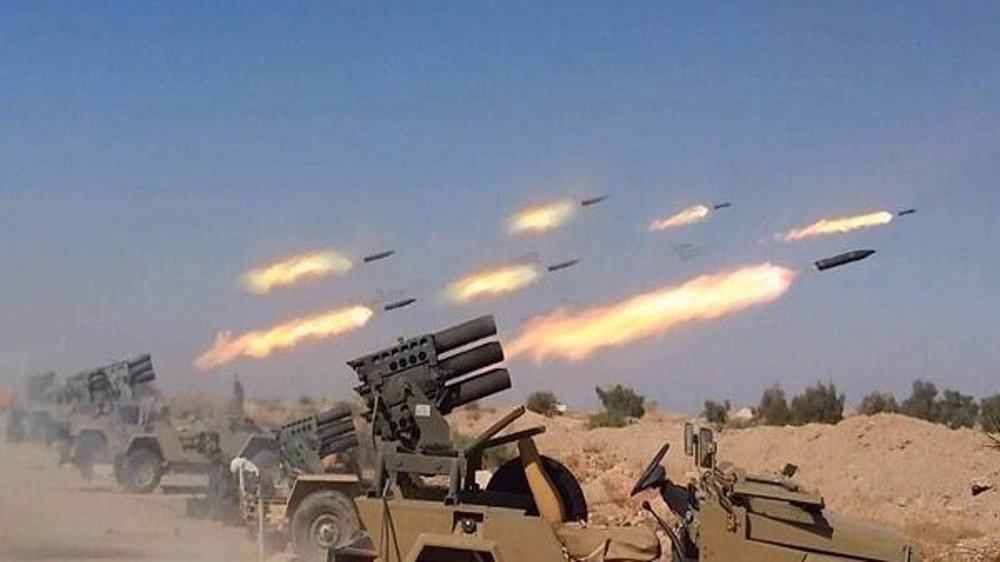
908 474
49 513
904 473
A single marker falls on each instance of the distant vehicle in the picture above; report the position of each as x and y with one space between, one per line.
905 212
723 205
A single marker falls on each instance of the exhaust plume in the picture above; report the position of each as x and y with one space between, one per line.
576 336
493 282
311 265
824 227
260 343
541 218
688 216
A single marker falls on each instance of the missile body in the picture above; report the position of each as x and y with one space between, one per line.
841 259
723 205
378 256
562 265
593 200
905 212
398 304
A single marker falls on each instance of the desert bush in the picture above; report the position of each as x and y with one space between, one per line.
622 401
715 412
956 410
819 403
542 402
605 418
989 413
878 403
773 408
920 403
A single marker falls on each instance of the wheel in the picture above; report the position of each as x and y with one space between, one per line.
141 470
222 496
86 449
325 519
510 479
268 465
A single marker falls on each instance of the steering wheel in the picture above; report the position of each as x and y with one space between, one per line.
653 474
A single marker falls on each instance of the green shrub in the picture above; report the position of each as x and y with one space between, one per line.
956 410
920 404
773 408
605 418
819 403
715 412
878 403
542 402
989 413
622 402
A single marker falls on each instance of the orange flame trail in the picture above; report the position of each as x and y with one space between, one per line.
576 336
841 225
493 282
292 270
691 215
542 218
260 343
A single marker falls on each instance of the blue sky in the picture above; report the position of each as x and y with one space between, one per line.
150 153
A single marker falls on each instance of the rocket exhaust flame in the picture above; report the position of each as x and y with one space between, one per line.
576 336
824 227
688 216
290 271
542 218
493 282
260 343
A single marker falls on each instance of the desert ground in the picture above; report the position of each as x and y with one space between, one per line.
911 475
49 513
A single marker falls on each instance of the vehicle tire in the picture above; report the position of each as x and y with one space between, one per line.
222 496
323 520
86 449
141 470
510 479
268 465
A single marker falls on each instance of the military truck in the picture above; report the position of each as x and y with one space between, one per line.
164 446
424 503
306 477
105 407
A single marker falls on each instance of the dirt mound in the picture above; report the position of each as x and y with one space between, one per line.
909 474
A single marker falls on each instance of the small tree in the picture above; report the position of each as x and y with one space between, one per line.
878 403
818 404
773 408
715 412
920 404
542 402
622 401
989 413
956 410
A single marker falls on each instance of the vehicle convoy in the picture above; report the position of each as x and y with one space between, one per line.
533 508
305 484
